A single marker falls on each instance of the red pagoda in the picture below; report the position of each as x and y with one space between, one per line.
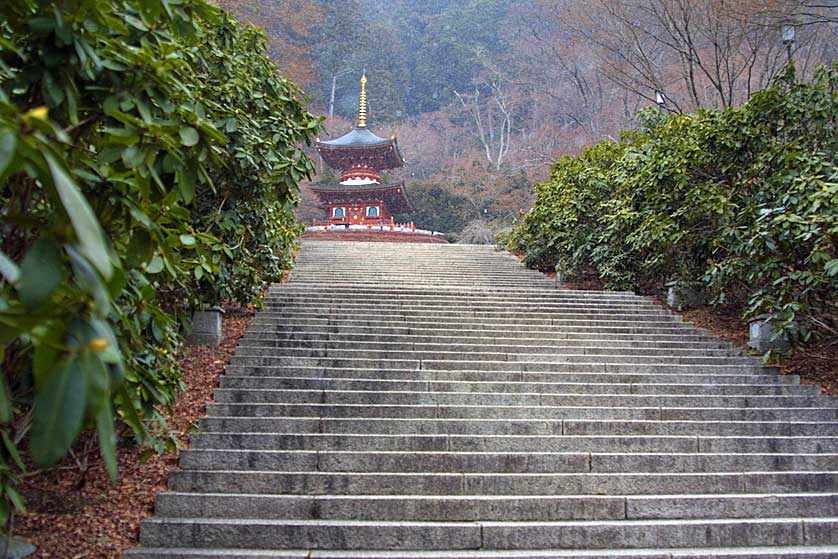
361 200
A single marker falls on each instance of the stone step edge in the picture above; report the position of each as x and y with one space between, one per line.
598 396
493 534
513 349
359 286
620 507
682 370
443 317
433 302
518 382
660 411
335 305
326 336
292 371
520 420
421 361
477 497
544 524
515 453
790 552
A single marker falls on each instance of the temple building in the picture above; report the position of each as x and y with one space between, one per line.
362 200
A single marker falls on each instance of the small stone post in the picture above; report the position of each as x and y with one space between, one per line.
560 276
684 295
206 327
761 333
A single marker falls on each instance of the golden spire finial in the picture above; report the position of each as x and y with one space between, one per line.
362 106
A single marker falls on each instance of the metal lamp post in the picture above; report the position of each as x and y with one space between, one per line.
788 39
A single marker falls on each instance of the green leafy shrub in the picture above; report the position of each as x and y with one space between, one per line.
149 162
562 226
744 200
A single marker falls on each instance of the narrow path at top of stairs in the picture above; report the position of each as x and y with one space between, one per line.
441 401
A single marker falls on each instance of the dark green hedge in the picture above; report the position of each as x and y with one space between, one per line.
744 200
149 162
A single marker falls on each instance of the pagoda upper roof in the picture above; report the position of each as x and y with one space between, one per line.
360 136
361 146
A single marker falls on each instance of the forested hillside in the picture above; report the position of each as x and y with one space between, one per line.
485 94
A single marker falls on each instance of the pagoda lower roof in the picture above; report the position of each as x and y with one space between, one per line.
393 195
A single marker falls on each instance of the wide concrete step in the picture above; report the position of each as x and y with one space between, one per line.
489 278
567 330
437 282
446 317
636 365
432 258
434 273
512 427
592 534
464 309
464 262
443 317
675 331
388 352
570 348
352 269
378 483
241 395
525 367
408 255
350 266
366 292
474 282
432 276
479 307
318 338
694 378
498 462
797 444
500 296
748 386
497 361
404 411
425 508
329 301
363 289
750 552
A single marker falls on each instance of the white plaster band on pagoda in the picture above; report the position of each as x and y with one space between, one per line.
360 171
359 180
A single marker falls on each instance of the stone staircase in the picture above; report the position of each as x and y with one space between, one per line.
437 401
